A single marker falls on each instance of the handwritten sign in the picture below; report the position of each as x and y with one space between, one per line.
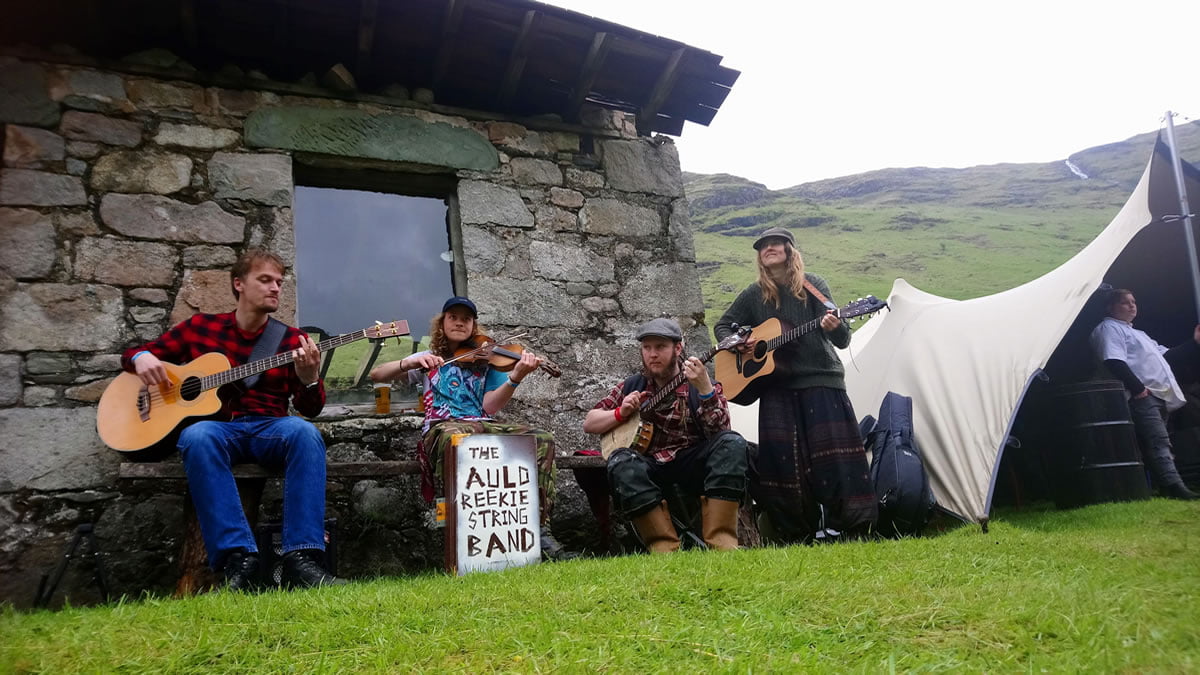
492 497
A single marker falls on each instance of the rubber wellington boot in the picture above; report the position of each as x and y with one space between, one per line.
656 530
718 518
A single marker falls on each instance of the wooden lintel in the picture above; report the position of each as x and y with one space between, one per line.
516 60
662 89
368 10
601 42
187 22
454 14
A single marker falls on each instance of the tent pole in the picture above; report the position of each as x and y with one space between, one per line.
1185 210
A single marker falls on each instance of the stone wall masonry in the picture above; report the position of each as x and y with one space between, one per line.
155 173
27 243
124 200
30 148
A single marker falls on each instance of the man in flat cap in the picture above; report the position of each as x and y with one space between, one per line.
691 446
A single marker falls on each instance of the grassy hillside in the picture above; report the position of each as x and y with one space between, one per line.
961 233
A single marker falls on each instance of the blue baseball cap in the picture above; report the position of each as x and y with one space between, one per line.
459 300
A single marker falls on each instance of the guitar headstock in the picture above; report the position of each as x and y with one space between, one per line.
861 307
387 330
739 336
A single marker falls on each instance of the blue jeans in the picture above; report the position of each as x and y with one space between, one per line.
210 449
1150 422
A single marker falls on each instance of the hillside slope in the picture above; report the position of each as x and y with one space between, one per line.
961 233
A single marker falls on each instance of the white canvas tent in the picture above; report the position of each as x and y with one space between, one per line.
967 364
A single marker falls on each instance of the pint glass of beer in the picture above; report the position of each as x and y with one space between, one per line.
383 397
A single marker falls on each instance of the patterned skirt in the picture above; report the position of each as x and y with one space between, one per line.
432 450
810 454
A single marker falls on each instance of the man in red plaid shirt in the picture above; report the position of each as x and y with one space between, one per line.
259 430
692 444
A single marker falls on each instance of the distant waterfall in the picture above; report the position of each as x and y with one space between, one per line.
1076 170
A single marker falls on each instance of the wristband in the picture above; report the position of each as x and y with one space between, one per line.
310 386
617 414
513 383
135 356
705 397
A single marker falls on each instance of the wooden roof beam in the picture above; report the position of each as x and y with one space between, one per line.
516 60
454 15
280 36
367 12
662 89
592 63
187 22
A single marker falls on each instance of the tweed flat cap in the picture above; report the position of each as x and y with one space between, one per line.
661 327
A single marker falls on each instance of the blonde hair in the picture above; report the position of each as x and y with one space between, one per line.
794 276
438 343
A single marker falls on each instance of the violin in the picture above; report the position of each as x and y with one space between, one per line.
501 357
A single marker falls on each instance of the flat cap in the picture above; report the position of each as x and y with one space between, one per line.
774 232
661 327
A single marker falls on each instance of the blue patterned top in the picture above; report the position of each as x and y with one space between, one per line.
455 392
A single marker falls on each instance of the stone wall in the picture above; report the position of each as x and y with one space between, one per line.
125 198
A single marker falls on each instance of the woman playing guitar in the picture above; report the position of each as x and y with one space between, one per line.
810 452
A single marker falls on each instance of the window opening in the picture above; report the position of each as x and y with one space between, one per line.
365 256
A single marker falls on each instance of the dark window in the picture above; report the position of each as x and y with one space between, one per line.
364 256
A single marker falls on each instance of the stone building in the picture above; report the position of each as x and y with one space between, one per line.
147 143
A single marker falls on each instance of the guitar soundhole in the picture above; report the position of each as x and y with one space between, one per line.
760 350
190 388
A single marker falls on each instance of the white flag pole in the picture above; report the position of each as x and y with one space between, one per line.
1185 211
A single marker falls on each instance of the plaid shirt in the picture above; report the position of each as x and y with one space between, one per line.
204 333
674 428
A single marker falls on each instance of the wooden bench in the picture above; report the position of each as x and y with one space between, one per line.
196 576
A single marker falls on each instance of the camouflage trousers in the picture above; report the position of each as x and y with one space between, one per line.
436 441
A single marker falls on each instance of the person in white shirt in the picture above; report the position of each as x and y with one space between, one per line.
1144 367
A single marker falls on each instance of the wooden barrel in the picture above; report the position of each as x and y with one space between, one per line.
1096 457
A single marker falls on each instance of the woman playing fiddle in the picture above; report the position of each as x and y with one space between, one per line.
462 394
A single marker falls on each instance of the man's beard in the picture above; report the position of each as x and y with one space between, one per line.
668 371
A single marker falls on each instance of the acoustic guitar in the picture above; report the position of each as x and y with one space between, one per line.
132 416
740 374
635 433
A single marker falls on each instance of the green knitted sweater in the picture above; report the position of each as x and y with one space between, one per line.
808 361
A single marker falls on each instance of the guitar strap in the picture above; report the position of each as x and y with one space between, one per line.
808 286
267 345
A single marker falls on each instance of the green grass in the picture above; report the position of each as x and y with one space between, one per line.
347 357
1105 588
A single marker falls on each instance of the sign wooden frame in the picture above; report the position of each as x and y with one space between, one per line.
492 502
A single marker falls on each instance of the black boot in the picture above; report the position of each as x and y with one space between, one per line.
1179 491
551 549
301 570
242 572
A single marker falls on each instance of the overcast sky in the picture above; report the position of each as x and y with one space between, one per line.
355 262
835 88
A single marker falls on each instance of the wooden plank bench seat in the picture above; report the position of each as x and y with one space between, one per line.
381 469
194 574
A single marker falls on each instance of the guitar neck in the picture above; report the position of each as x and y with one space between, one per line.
794 333
671 386
281 359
